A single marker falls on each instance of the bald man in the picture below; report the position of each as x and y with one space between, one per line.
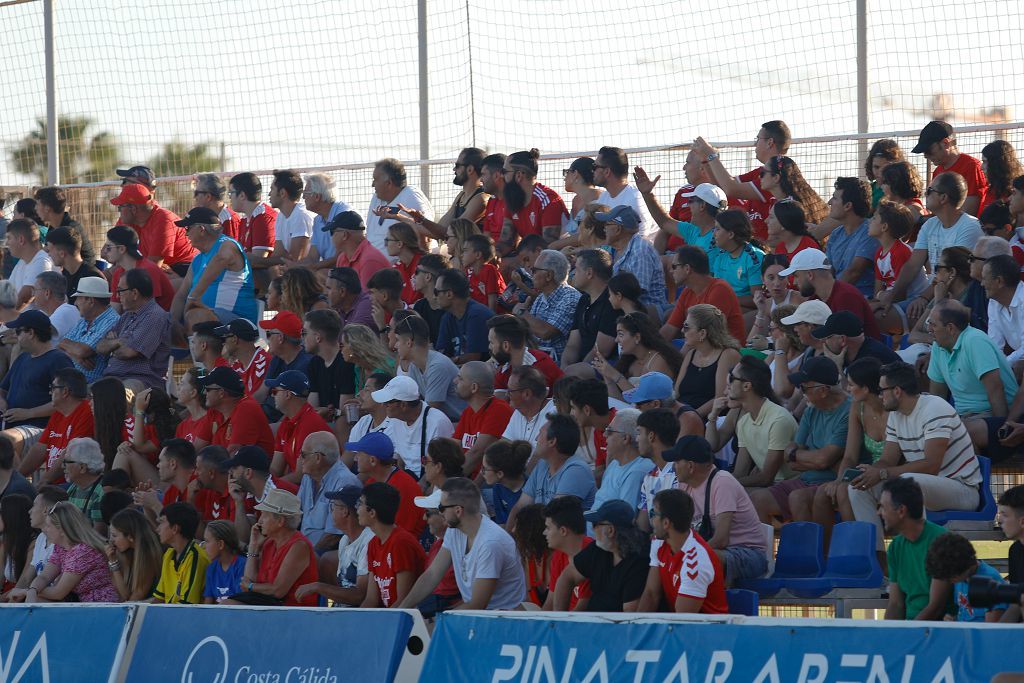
485 418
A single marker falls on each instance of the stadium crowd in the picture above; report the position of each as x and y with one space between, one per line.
595 406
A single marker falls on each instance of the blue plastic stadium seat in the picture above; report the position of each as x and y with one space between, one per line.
887 340
986 511
801 547
742 601
851 563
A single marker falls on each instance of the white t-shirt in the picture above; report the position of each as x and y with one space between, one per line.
377 227
64 318
299 224
935 237
352 560
364 426
493 556
41 552
408 438
528 430
26 273
630 196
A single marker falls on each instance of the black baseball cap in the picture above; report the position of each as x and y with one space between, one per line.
349 495
210 328
239 327
930 134
692 448
199 215
844 323
124 236
816 369
346 220
141 173
253 457
615 512
225 378
292 380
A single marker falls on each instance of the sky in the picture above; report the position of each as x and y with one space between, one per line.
304 83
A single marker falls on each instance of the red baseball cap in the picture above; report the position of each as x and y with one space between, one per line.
132 193
287 322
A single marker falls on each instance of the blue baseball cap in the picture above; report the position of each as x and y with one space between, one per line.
618 513
623 215
377 444
292 380
653 386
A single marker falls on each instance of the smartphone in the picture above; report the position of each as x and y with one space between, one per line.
851 474
392 209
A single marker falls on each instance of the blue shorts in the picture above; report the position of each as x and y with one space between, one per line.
744 562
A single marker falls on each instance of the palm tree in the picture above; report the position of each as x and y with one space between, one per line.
84 157
179 159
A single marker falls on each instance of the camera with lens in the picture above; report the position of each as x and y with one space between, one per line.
982 592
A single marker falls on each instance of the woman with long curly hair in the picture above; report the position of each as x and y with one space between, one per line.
1000 165
901 183
17 534
782 178
710 353
134 555
363 348
882 153
403 245
534 552
456 235
301 292
642 349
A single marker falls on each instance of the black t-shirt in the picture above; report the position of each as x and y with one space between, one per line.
276 367
1016 563
592 318
432 316
611 586
331 382
874 348
86 270
18 484
88 253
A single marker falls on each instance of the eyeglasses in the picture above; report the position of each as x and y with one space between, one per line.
734 378
939 267
421 271
53 387
566 172
307 454
71 462
271 333
233 193
688 326
122 291
609 431
655 513
391 239
932 190
441 507
20 330
676 265
512 391
456 167
438 292
973 258
541 270
209 389
597 166
808 387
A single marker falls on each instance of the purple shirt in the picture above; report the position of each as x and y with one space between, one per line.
361 312
148 331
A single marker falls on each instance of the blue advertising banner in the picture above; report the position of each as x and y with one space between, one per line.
216 644
539 649
62 642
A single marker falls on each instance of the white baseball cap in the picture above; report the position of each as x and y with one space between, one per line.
400 388
807 259
815 312
709 194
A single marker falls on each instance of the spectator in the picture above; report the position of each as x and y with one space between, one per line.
882 153
247 359
890 224
508 344
551 315
77 567
937 142
354 249
284 341
444 460
71 418
291 391
734 257
65 248
160 239
138 344
484 419
51 204
787 229
727 519
492 182
593 326
565 531
294 226
657 430
773 139
353 574
280 558
520 279
455 241
813 275
412 423
485 281
332 380
676 542
323 471
913 594
818 445
558 471
692 271
852 249
703 203
121 251
588 406
175 470
23 243
999 221
530 208
487 567
1010 519
949 226
633 253
301 292
781 177
227 563
196 425
249 482
385 287
391 194
624 474
152 422
527 394
579 181
11 480
1005 291
374 415
212 499
134 556
43 547
25 391
925 432
462 335
51 298
1000 166
533 552
615 564
711 352
394 556
17 535
239 420
257 229
433 372
348 298
206 346
611 171
504 470
641 350
765 428
320 198
951 559
403 246
845 342
902 184
424 278
183 575
208 192
83 468
375 461
97 318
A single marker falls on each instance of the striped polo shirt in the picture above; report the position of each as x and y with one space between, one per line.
934 418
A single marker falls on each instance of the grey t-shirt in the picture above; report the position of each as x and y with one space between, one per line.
493 556
438 385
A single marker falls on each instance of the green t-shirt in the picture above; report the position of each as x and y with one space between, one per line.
820 428
906 567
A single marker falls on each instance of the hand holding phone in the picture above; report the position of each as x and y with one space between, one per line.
851 474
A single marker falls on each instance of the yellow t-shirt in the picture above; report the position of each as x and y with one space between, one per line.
182 580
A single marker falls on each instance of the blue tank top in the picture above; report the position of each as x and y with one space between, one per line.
233 290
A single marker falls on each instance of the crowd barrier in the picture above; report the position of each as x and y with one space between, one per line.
209 644
558 648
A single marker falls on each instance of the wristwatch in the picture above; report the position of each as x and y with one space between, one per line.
712 157
883 474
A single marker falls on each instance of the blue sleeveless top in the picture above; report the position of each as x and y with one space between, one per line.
233 290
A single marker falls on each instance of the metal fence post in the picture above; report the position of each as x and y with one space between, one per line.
52 125
421 22
862 76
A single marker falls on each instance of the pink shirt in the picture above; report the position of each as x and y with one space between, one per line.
96 584
728 495
366 261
